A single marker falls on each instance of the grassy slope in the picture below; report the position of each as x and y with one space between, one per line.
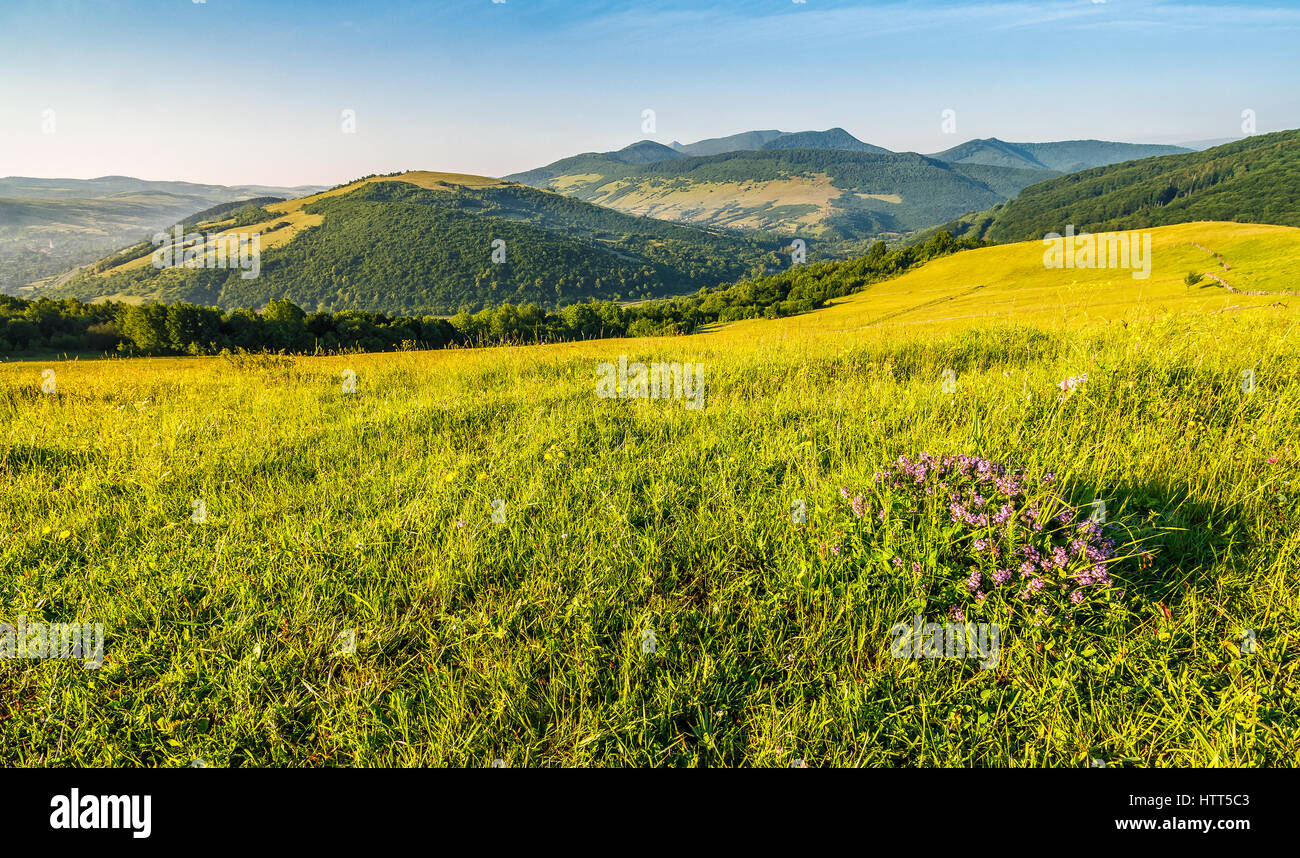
1008 283
521 641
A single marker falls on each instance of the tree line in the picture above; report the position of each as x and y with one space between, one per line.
69 325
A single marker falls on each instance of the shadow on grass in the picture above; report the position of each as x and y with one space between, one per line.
1186 538
18 459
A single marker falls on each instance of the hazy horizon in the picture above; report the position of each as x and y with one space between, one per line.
337 181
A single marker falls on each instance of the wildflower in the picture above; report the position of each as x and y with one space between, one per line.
1032 555
994 517
1072 382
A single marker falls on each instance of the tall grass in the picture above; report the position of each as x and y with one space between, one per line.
523 641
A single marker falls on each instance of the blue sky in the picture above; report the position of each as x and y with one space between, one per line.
236 91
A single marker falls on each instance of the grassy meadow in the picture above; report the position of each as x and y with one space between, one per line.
369 517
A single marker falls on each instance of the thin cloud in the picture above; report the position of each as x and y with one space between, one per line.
806 22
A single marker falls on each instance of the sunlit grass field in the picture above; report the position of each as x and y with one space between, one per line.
369 516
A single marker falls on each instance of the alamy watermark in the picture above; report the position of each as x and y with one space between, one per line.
946 640
92 811
656 381
1130 250
53 640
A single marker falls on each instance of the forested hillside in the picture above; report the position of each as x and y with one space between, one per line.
1256 180
394 247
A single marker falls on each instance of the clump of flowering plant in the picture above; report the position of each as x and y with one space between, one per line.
1072 382
975 534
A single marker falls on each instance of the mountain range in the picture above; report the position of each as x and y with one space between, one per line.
817 184
650 221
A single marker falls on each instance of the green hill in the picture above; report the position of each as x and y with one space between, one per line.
423 243
1065 156
644 152
1254 180
830 194
835 138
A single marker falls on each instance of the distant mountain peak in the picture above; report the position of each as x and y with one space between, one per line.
831 138
731 143
1067 156
644 152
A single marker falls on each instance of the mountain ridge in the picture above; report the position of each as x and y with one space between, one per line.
834 194
1064 156
1251 180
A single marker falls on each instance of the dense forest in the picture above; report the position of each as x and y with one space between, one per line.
1256 180
393 247
69 325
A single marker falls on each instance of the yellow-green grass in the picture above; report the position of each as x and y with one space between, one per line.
522 641
1010 282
